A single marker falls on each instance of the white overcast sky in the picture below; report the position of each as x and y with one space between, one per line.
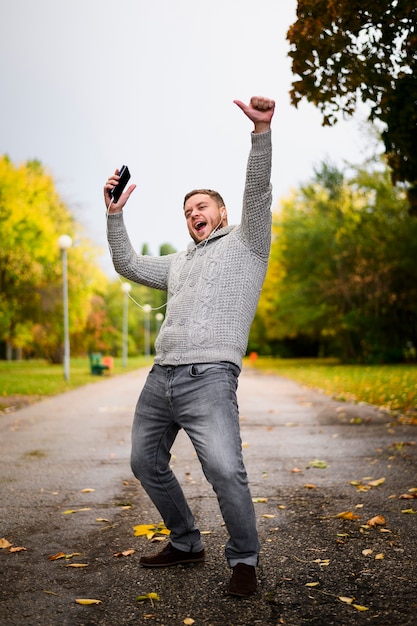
87 85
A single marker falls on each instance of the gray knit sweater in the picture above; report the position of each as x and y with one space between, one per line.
213 287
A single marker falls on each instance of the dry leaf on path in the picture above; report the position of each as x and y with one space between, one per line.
124 552
376 483
378 520
348 515
62 555
148 596
367 552
18 549
87 601
150 530
318 464
4 543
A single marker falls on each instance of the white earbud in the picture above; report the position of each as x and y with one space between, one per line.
223 214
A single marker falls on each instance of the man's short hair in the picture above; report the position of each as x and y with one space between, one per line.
208 192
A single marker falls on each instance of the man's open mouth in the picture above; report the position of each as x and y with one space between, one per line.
200 225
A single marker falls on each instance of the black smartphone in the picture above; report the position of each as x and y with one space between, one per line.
117 191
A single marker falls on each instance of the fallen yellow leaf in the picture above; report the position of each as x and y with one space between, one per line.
150 530
411 511
189 621
379 557
77 565
318 464
261 500
87 490
266 516
346 600
62 555
376 483
311 584
101 519
18 549
359 607
71 511
58 555
148 596
367 552
310 486
4 543
87 601
378 520
348 515
124 552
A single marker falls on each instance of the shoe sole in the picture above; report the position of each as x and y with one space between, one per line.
179 562
241 595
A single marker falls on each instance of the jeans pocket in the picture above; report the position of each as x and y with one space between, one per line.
197 370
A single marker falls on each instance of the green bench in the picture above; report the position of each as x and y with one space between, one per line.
98 365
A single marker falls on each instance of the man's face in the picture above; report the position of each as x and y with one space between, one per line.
203 216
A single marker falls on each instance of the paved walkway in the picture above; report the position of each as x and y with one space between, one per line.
71 453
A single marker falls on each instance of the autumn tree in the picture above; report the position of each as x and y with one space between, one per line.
32 216
342 276
346 51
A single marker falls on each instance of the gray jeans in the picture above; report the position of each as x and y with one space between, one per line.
201 399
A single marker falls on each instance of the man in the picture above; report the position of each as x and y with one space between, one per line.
213 290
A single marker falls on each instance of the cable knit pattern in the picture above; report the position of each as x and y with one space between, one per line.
213 287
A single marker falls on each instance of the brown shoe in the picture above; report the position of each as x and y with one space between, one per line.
171 556
243 580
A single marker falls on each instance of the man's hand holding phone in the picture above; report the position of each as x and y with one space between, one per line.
114 195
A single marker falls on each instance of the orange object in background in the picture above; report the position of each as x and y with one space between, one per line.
109 361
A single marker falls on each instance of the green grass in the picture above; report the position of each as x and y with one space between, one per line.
392 387
39 378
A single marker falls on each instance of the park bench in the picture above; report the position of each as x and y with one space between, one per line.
99 364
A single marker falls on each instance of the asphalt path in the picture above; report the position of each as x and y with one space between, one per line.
66 488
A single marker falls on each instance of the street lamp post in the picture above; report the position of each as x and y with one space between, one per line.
159 318
65 242
126 287
147 309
